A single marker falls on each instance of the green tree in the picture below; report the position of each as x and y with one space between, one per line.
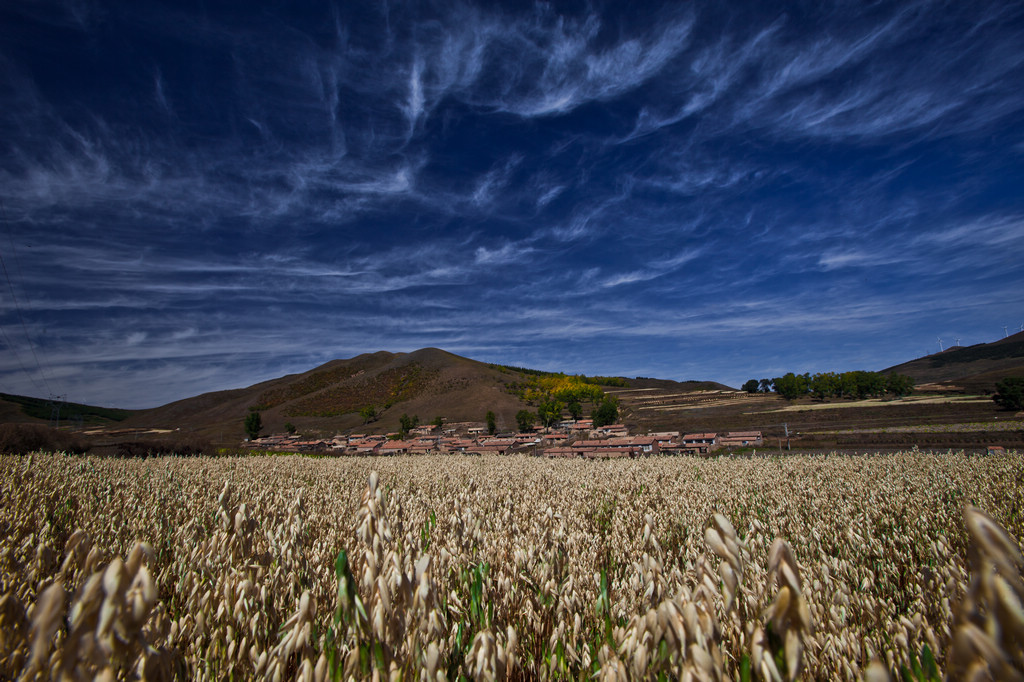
524 418
1010 393
824 385
576 388
438 421
765 385
492 425
791 386
549 412
751 386
899 385
253 425
289 427
369 414
848 385
575 409
870 384
607 412
407 424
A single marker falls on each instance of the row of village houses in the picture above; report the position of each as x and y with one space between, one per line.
606 442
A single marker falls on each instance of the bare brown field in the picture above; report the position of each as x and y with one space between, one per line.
966 427
927 421
450 567
878 402
664 402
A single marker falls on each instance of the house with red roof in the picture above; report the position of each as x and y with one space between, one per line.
739 439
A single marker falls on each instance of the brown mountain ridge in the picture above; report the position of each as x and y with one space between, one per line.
431 383
973 369
427 383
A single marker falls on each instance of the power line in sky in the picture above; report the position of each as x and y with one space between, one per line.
14 350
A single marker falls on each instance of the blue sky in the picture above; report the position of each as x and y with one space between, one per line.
199 196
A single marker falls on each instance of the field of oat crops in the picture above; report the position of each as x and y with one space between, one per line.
904 566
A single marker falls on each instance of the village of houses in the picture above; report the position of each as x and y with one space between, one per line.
566 439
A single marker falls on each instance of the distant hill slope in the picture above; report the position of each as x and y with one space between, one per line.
19 408
975 368
426 383
676 386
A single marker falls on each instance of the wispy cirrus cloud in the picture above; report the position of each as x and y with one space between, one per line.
533 63
986 245
653 269
663 183
850 78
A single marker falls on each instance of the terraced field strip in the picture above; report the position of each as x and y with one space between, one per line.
878 402
630 390
689 406
963 427
670 402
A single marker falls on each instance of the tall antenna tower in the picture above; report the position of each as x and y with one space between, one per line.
940 344
1005 333
958 342
56 403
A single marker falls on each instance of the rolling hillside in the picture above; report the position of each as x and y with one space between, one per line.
19 408
427 383
974 368
432 383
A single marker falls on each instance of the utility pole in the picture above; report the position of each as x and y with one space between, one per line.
785 428
56 402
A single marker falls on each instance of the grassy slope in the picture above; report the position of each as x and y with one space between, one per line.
426 383
39 410
431 382
976 367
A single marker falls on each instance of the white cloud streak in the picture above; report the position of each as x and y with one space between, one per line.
705 176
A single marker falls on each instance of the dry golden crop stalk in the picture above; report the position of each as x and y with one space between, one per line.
684 625
391 619
46 618
876 672
988 638
721 538
230 588
702 623
14 629
103 631
788 616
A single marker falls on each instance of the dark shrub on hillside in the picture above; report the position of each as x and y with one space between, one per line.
1010 393
24 438
187 446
